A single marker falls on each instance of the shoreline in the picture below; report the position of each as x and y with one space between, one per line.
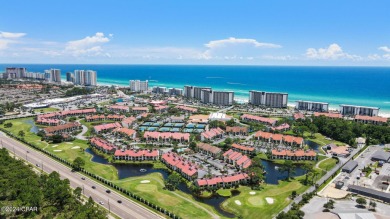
238 98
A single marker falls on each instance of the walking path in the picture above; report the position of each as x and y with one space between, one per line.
81 134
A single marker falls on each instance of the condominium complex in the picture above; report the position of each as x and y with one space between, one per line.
139 86
175 92
159 90
70 77
358 110
82 77
222 98
13 72
312 106
194 92
53 75
268 99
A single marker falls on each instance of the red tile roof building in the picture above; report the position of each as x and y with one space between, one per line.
102 145
119 108
237 130
243 149
65 128
299 116
115 117
167 136
177 163
376 120
140 109
222 181
282 127
187 109
329 115
62 114
279 138
237 159
130 133
294 154
252 118
212 134
49 122
106 127
93 118
209 149
128 122
161 109
137 155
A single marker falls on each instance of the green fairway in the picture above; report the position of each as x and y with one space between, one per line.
256 206
65 150
321 140
151 187
327 164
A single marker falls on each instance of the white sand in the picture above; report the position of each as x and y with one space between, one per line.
269 200
57 150
76 147
145 181
237 202
252 193
54 146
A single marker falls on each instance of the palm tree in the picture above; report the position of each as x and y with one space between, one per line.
308 168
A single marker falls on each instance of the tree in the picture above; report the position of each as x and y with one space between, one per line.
78 163
361 201
288 167
8 125
77 192
193 145
308 168
329 204
373 205
57 138
173 181
231 122
21 133
313 129
256 175
293 194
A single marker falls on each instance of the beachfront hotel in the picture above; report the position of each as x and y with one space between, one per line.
139 86
13 72
312 106
86 78
221 98
175 92
159 90
53 75
268 99
358 110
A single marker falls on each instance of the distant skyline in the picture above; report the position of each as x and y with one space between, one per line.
321 33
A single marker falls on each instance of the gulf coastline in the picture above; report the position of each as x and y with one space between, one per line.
366 86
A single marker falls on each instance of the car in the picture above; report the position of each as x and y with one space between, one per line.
100 202
28 151
37 165
94 187
108 191
119 201
83 178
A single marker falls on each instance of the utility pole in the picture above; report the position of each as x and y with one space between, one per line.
109 209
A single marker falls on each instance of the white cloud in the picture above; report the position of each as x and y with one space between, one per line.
88 46
384 48
231 41
7 38
9 35
333 52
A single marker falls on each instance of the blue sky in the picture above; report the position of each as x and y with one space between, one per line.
196 32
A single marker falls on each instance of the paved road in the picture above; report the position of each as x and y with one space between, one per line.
127 209
81 134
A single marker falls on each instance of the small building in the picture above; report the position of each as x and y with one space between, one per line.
209 149
128 122
214 133
237 130
370 193
381 155
243 149
339 184
349 166
119 108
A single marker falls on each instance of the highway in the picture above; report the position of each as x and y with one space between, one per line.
127 209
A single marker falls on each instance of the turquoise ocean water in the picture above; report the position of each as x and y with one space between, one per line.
367 86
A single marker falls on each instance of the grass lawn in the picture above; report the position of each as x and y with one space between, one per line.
181 203
256 206
321 140
66 150
224 192
327 164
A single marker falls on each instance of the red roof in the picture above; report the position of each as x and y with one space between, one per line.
212 133
299 116
297 153
177 161
167 135
137 153
371 118
330 115
186 108
129 120
242 147
126 131
101 143
258 118
281 127
119 107
108 126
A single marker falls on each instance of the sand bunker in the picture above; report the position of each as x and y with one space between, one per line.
57 150
145 181
54 146
252 193
76 147
237 202
269 200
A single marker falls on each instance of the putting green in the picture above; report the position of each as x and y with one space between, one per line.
255 201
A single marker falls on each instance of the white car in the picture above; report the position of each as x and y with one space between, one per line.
100 202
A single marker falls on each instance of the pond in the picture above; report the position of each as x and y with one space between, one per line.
312 145
34 129
273 174
131 170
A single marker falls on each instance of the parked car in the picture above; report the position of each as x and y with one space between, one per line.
119 201
94 187
83 178
108 191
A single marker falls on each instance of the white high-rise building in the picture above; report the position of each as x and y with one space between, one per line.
48 76
312 106
79 77
53 75
220 98
139 86
268 99
349 110
90 78
15 72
